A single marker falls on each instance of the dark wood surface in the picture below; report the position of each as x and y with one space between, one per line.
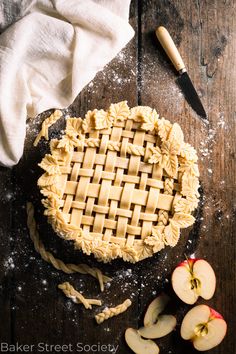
32 309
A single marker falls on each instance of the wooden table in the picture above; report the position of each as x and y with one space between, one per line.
32 309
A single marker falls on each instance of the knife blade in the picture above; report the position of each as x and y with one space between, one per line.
183 80
191 95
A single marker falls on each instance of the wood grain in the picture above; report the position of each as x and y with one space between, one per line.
210 68
32 309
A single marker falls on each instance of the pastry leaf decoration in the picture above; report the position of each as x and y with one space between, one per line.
190 185
143 250
156 155
170 148
186 205
73 126
102 119
69 142
172 233
188 153
51 191
88 123
139 113
164 127
170 164
183 220
60 154
176 136
119 111
100 249
174 142
47 180
156 239
165 159
49 164
129 254
150 121
189 167
52 205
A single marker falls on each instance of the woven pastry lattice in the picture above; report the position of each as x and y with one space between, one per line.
120 183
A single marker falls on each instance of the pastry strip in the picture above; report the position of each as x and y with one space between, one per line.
112 311
46 124
57 263
77 297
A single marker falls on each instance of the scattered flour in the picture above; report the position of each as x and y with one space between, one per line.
9 263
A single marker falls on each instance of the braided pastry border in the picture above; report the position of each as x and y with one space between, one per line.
176 157
58 263
112 311
77 297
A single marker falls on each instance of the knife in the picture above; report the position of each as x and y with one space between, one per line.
183 80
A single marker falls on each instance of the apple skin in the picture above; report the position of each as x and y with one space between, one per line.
204 326
187 262
215 314
193 278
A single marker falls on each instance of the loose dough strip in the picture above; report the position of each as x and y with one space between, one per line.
112 311
46 124
77 297
57 263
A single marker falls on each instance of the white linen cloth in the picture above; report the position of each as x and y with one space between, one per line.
49 55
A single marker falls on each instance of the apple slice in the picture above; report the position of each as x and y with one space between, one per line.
138 344
156 325
193 278
154 309
204 326
165 324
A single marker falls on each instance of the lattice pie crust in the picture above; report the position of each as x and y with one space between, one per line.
120 183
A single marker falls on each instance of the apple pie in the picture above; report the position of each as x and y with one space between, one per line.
120 183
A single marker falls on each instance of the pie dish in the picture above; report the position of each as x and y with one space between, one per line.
120 183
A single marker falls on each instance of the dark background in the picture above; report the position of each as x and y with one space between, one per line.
32 309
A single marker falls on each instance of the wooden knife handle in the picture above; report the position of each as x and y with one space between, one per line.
170 48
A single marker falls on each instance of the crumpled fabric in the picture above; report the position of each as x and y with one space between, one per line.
49 55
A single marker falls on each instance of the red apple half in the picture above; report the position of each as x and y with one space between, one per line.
193 278
204 326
